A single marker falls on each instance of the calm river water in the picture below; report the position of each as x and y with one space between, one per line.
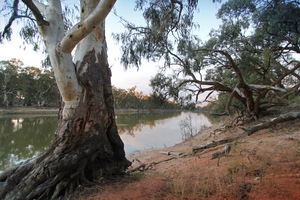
22 137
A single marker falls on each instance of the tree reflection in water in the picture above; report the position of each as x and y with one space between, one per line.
23 137
132 123
155 130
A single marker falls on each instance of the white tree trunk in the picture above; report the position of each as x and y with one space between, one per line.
87 145
60 45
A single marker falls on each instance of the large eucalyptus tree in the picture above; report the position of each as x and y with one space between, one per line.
86 145
248 58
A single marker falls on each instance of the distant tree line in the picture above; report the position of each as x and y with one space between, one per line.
250 63
26 86
131 98
32 86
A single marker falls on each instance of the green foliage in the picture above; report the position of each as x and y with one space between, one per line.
280 21
137 100
251 48
153 41
26 86
31 86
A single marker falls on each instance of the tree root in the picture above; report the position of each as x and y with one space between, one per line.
48 184
48 179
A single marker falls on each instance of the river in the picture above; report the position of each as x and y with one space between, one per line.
25 136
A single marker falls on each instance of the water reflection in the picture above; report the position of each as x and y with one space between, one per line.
135 122
24 137
156 130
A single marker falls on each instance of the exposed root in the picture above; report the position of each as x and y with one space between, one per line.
48 184
59 187
32 179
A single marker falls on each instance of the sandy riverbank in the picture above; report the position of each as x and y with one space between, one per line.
265 165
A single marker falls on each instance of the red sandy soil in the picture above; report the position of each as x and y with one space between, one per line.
264 166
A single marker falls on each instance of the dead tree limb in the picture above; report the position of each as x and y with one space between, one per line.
215 143
222 153
225 151
248 131
171 153
282 118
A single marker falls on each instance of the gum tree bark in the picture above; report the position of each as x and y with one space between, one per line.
86 145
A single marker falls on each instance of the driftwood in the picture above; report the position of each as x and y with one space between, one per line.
225 151
171 153
222 153
143 166
282 118
215 143
247 131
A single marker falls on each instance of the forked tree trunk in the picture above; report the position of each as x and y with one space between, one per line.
87 146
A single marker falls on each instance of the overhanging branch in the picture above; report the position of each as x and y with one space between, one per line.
37 14
85 27
14 16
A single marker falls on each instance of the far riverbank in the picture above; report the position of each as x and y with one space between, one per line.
52 110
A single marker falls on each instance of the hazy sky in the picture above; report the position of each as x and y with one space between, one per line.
121 78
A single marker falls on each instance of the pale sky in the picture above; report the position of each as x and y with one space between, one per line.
121 78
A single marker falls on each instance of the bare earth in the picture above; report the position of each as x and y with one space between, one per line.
265 165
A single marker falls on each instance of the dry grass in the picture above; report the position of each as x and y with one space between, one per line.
265 165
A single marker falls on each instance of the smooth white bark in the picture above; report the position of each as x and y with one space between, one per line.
94 41
40 6
268 87
90 31
62 64
87 25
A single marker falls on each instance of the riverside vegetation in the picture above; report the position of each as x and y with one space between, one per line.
265 165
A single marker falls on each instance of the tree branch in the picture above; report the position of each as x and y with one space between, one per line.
83 28
40 6
215 85
14 16
266 87
36 12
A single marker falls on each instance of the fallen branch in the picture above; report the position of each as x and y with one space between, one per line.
282 118
215 143
225 151
222 153
171 153
143 167
140 168
249 131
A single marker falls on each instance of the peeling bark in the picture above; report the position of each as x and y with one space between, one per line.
87 146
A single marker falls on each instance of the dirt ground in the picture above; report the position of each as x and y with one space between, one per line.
265 165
